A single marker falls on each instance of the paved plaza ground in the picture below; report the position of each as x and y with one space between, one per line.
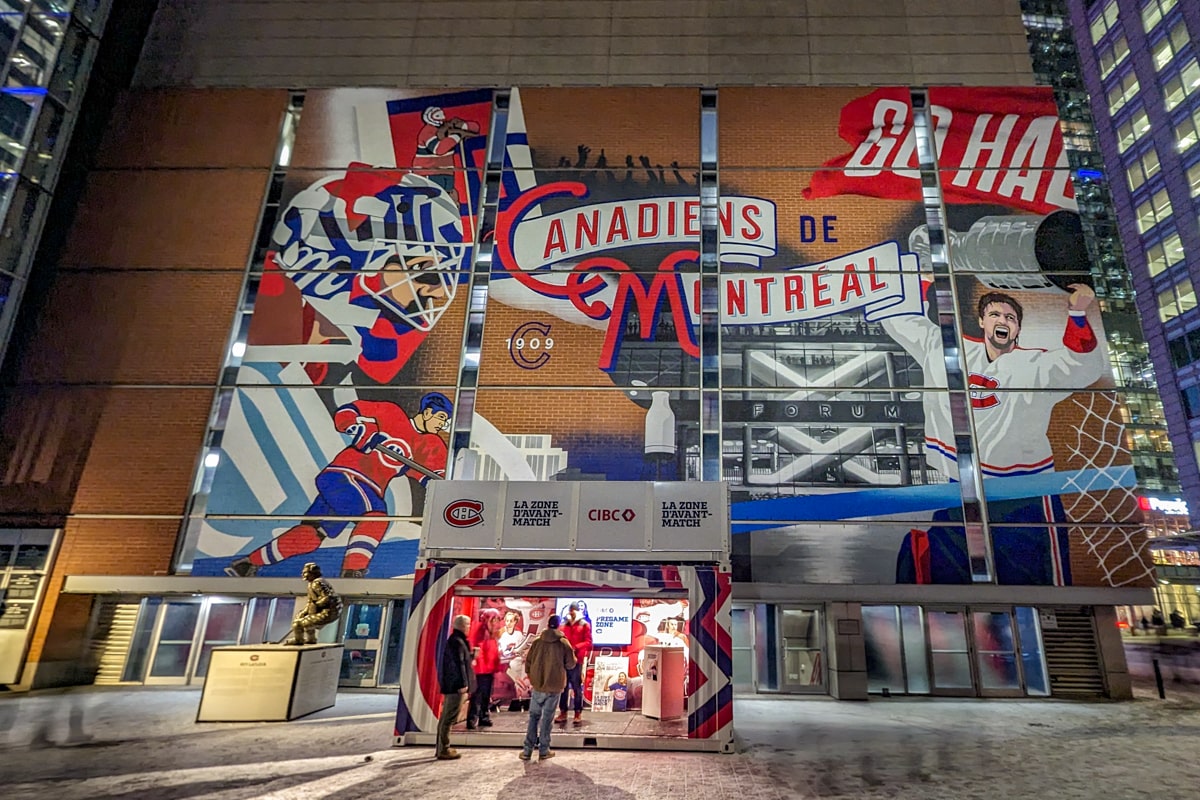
143 743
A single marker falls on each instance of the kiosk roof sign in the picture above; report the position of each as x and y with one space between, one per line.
576 520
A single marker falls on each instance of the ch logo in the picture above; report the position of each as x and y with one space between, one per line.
463 513
529 344
980 399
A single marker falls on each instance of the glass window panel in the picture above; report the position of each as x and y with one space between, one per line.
1167 307
362 620
1170 45
1187 295
139 649
1153 211
952 670
1193 176
256 623
912 626
1187 133
179 622
1180 356
946 631
1146 167
1032 660
1153 12
1132 129
1122 92
171 660
1104 21
885 656
1110 57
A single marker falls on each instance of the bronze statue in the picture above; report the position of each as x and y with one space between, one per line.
324 606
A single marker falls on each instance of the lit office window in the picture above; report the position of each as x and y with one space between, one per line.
1113 55
1143 169
1104 21
1153 12
1153 211
1182 85
1187 133
1167 253
1122 92
1179 299
1132 130
1170 46
1193 176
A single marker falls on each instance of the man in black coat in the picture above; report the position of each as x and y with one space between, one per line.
456 681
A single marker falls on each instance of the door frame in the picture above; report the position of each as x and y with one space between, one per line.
155 640
189 677
786 687
750 609
965 614
348 641
1016 638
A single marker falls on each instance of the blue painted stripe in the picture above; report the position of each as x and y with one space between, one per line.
911 499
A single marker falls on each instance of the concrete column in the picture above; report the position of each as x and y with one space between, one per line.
847 651
1112 653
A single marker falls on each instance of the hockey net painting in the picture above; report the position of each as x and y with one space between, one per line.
1114 537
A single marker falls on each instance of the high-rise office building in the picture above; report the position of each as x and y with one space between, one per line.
847 259
1138 62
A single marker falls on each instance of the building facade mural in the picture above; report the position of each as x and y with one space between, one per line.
907 366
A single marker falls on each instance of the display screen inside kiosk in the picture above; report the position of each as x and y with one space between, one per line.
621 628
611 618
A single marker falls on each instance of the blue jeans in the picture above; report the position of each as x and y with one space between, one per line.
541 718
574 684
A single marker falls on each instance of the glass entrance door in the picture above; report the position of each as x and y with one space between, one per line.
221 627
949 653
185 633
996 653
364 626
174 640
802 651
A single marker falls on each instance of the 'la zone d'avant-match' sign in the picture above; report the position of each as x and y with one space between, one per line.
590 520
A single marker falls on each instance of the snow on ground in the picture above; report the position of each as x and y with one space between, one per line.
144 743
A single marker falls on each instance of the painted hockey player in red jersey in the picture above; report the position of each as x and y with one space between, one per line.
438 143
382 438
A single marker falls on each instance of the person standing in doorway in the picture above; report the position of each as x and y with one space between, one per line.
487 664
455 681
579 634
550 659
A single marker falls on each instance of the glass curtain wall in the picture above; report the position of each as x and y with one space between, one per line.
48 47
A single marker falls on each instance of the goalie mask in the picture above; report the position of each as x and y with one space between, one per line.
399 233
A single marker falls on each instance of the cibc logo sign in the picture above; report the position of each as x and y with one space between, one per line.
463 513
611 515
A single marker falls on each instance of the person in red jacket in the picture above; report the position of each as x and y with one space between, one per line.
487 664
579 633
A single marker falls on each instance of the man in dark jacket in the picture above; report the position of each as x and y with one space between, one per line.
456 679
550 656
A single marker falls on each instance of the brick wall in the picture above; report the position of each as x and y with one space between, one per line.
101 431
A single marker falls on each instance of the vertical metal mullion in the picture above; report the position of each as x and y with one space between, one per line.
478 285
709 312
970 478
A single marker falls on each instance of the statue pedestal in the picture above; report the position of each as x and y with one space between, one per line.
269 683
